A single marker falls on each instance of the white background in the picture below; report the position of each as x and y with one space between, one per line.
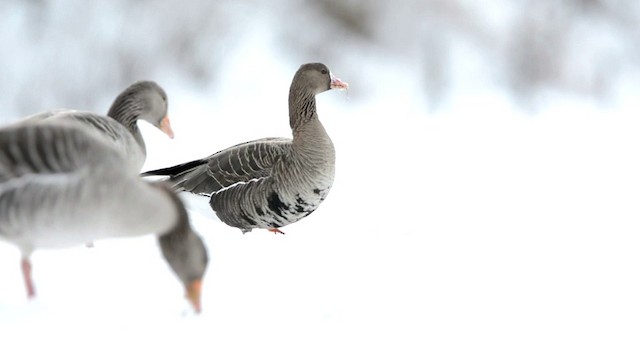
479 231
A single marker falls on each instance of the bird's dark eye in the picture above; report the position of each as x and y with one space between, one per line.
323 71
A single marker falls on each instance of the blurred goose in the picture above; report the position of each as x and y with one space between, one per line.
62 185
144 100
271 182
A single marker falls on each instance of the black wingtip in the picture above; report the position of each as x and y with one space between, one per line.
175 170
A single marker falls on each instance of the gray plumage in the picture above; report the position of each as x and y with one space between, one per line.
272 182
144 100
183 249
62 185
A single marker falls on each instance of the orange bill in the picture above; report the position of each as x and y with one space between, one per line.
165 126
193 294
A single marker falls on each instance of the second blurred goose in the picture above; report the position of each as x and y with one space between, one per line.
142 100
62 185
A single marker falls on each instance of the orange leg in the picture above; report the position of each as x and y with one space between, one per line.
275 231
28 281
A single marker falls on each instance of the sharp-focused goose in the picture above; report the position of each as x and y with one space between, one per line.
143 100
61 185
271 182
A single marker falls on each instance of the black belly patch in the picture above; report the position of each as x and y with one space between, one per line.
276 205
274 225
301 201
248 220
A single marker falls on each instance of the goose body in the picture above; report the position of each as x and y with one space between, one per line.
144 100
271 182
62 185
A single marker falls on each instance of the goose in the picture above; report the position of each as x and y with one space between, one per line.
270 182
144 100
62 185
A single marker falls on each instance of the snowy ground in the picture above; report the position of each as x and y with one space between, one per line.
475 232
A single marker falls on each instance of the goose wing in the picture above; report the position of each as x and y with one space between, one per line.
44 149
237 164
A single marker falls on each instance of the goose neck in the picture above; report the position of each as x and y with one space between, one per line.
302 109
127 112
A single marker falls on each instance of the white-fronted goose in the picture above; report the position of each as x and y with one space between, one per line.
271 182
142 100
61 185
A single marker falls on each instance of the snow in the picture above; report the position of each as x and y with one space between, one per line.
474 231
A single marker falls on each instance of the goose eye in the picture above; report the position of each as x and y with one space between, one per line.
324 72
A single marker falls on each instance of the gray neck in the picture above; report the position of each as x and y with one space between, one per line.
310 139
302 109
127 111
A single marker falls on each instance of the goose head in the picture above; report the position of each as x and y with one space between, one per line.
316 78
155 106
184 251
144 100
